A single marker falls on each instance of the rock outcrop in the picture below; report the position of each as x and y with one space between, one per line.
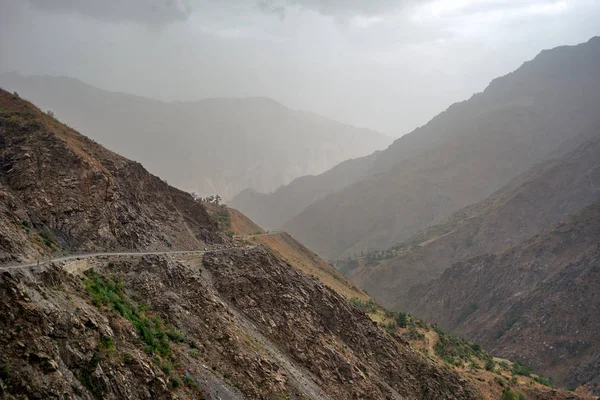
62 191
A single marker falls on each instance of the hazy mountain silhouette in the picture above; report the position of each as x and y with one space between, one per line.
461 156
220 145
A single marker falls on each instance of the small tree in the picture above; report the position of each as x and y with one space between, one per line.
50 113
401 320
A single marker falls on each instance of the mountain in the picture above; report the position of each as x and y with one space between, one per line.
274 209
461 156
537 301
62 192
220 145
231 323
530 203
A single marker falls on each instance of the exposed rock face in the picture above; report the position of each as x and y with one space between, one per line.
336 342
50 339
537 301
255 323
82 196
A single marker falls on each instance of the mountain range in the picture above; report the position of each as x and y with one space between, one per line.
242 314
545 108
212 146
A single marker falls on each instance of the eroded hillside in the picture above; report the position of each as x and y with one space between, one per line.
530 203
537 301
62 192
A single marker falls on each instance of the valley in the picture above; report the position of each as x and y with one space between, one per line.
183 234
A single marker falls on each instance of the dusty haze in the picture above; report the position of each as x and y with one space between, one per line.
386 65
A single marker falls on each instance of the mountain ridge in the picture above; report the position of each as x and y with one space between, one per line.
532 113
530 203
541 289
257 141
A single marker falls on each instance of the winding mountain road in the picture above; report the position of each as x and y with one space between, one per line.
73 257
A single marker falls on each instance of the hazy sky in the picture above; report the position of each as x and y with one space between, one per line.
384 64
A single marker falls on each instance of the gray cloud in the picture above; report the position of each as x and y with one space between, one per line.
338 8
155 13
351 7
271 7
388 65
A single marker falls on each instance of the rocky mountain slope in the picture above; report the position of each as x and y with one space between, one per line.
537 301
479 368
223 145
231 324
60 191
530 203
460 157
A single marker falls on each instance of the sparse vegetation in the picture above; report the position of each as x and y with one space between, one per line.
456 351
521 369
368 306
189 381
152 330
401 319
508 394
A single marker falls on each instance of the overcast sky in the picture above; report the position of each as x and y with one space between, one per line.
390 65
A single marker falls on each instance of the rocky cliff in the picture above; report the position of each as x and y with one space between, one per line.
60 191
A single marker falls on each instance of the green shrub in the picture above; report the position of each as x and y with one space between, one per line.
504 365
152 330
368 306
401 320
127 358
46 235
390 327
189 381
508 394
5 372
521 369
176 335
106 342
174 383
542 380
